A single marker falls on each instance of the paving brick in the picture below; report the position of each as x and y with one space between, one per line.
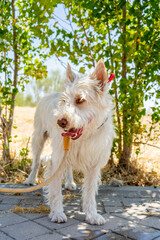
112 236
131 217
5 207
79 216
81 231
131 202
122 192
48 236
153 204
152 222
45 221
32 202
150 193
9 218
74 201
71 209
138 232
153 211
158 238
25 230
32 216
139 209
3 236
10 201
132 191
113 222
115 209
112 202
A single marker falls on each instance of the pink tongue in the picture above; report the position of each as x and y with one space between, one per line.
70 134
73 133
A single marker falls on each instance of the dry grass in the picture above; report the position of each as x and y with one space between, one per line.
144 169
42 208
38 209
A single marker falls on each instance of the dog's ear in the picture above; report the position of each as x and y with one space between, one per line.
70 76
100 74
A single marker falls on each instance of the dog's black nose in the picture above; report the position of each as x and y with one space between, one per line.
62 122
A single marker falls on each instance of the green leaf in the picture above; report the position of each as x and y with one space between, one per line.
82 70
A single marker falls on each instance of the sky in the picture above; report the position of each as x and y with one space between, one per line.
53 63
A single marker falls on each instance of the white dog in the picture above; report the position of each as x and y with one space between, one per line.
83 111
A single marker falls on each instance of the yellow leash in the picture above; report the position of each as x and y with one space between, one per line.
66 142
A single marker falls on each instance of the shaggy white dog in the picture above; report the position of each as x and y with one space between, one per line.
83 111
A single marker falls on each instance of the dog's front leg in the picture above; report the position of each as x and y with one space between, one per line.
55 195
90 188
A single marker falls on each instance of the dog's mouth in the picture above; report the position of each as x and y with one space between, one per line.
73 133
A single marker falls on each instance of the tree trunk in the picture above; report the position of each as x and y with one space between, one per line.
4 127
116 96
136 103
7 121
11 114
116 100
127 143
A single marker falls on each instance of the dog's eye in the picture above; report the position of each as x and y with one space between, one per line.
80 100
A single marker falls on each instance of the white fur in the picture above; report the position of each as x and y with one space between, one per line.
40 135
90 152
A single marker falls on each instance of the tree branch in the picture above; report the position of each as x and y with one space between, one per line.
64 64
151 145
60 19
89 48
150 50
70 23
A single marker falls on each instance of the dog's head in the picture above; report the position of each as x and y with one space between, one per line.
85 103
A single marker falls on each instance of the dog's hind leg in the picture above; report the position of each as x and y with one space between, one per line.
69 181
38 141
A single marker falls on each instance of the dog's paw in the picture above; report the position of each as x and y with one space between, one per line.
70 186
96 219
29 181
58 217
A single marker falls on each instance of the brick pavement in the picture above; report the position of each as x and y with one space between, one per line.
130 213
